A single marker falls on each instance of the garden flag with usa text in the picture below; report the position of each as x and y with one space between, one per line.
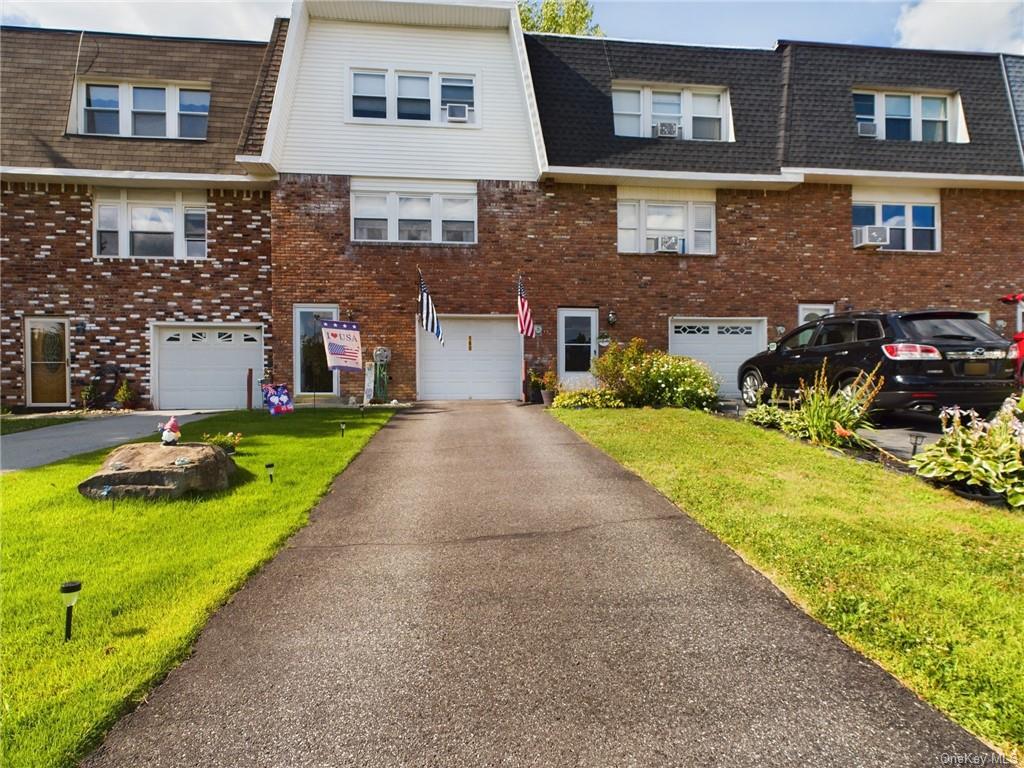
343 346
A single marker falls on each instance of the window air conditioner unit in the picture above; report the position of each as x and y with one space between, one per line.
666 130
457 113
870 237
669 244
867 130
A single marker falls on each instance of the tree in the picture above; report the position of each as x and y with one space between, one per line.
567 17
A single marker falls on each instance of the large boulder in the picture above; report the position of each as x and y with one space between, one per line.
155 471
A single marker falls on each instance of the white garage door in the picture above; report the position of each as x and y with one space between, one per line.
206 366
721 342
482 359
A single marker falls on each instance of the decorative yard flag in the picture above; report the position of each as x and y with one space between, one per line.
277 400
523 311
428 315
342 344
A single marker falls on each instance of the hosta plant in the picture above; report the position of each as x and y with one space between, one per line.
977 454
768 415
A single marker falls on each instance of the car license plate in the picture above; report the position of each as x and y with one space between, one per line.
975 369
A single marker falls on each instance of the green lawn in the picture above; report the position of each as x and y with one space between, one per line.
928 585
152 573
11 424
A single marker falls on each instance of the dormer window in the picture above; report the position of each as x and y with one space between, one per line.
910 116
694 114
149 111
397 97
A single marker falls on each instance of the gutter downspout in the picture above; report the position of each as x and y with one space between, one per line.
1013 111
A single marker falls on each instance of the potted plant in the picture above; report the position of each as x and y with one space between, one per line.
228 441
603 339
548 384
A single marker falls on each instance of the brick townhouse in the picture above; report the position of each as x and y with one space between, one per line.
184 211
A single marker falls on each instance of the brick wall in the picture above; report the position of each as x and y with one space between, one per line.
775 250
48 269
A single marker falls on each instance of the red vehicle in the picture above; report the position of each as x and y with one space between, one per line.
1019 338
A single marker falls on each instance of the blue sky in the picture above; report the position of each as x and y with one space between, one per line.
988 25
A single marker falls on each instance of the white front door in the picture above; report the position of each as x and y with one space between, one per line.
577 347
46 352
207 366
482 359
724 343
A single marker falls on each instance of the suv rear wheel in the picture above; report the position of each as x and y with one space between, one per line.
750 387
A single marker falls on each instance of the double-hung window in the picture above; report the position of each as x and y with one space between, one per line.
912 226
390 96
644 111
656 226
154 224
102 115
413 217
143 111
911 116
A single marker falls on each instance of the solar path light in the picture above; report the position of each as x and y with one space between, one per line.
270 472
69 593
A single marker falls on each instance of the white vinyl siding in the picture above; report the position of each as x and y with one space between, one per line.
322 137
149 224
642 222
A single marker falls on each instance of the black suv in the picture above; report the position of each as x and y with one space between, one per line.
930 359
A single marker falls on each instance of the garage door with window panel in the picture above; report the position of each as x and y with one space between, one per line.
723 343
481 359
207 366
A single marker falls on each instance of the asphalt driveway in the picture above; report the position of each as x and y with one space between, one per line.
483 588
36 447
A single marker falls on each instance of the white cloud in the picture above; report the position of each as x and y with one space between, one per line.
237 19
962 25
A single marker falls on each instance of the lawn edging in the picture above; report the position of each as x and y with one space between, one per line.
927 585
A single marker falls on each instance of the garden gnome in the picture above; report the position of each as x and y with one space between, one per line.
171 431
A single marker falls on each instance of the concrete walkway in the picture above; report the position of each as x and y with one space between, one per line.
36 447
483 588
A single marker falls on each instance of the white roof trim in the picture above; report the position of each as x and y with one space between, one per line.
295 39
623 176
130 178
908 177
533 111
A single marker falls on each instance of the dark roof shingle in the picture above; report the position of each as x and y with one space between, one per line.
258 116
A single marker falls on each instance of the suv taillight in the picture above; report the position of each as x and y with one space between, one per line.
1013 352
911 352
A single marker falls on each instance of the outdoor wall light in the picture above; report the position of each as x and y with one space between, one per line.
613 318
916 438
780 329
1001 325
69 594
270 471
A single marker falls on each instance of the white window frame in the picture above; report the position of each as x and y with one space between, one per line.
956 127
327 312
690 214
909 227
437 115
647 119
436 229
126 108
179 201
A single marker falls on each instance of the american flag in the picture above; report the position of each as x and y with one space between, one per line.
428 315
523 311
342 351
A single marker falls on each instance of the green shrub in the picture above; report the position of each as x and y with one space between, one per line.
831 417
126 395
587 398
980 454
768 415
639 378
89 396
226 440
